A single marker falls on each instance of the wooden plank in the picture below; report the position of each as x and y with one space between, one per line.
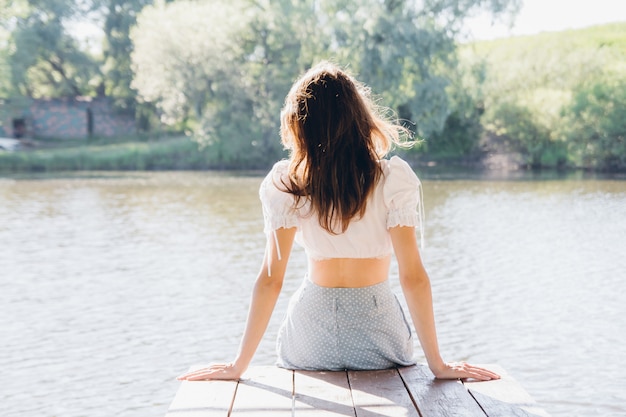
322 394
203 399
380 393
271 391
264 391
504 397
438 398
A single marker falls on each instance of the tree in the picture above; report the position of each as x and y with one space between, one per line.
405 50
279 44
223 68
119 17
48 61
5 69
45 60
183 54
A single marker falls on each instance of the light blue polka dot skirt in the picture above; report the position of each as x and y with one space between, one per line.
344 328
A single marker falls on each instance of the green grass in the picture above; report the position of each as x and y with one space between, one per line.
552 60
130 153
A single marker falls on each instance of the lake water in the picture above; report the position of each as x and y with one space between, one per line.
113 284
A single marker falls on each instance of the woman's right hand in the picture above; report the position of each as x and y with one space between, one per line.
463 370
225 371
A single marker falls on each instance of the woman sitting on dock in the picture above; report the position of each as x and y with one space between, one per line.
351 210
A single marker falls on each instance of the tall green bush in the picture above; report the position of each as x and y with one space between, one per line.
558 97
462 128
528 135
595 124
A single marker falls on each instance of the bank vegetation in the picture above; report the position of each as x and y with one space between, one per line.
213 75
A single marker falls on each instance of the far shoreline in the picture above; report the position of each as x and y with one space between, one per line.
494 159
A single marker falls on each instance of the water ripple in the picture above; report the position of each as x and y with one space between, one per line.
112 286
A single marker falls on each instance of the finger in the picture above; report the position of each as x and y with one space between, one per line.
485 372
195 374
201 371
481 374
221 375
201 376
464 366
220 371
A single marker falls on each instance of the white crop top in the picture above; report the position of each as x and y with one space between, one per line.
395 201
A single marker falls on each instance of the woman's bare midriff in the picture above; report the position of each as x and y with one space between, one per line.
349 272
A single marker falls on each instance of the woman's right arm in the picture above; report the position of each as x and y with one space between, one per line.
266 291
417 291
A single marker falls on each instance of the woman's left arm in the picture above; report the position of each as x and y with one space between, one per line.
417 291
266 291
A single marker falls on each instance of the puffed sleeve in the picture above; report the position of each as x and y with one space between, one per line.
278 209
402 193
278 205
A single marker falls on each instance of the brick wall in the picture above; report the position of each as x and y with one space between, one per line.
69 118
59 118
109 122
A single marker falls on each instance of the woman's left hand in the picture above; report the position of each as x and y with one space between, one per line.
227 371
463 370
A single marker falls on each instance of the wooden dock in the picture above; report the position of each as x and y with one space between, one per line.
410 391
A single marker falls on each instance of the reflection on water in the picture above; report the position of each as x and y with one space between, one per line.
112 285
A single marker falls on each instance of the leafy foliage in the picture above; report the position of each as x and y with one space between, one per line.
558 96
120 17
223 68
44 59
595 124
188 59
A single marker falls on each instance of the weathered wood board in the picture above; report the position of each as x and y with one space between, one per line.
404 392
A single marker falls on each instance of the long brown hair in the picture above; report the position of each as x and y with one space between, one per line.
336 136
